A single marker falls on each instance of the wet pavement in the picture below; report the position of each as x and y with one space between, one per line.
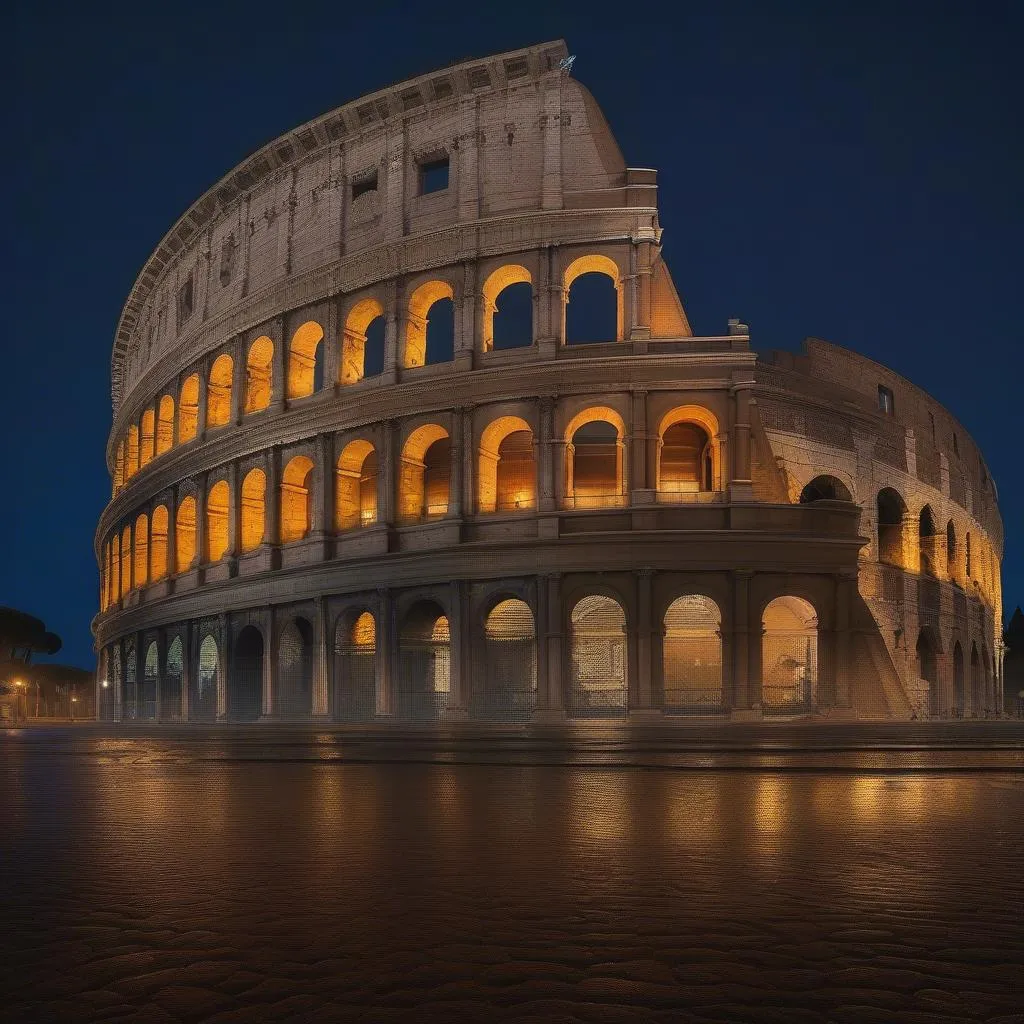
747 873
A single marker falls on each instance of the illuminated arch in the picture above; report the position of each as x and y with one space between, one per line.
418 316
254 509
202 703
353 339
424 655
131 452
594 461
496 283
355 486
928 542
688 451
165 425
188 409
142 550
147 437
891 510
126 561
185 534
508 685
218 502
355 650
507 477
218 392
592 264
158 543
789 655
295 499
259 375
825 488
598 656
424 473
692 654
302 359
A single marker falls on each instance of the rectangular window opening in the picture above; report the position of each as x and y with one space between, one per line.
434 175
367 183
885 400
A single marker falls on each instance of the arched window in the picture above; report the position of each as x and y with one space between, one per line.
927 542
424 655
254 509
959 694
114 584
259 375
598 653
147 438
131 688
202 703
687 452
825 488
355 651
150 673
295 505
594 459
952 569
692 655
891 510
188 409
141 550
424 473
158 542
218 392
304 365
927 698
185 534
170 693
119 475
430 328
354 338
508 475
165 425
126 561
131 453
217 539
789 656
295 670
508 683
244 692
593 301
507 309
355 486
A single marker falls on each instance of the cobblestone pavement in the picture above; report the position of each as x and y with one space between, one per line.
782 875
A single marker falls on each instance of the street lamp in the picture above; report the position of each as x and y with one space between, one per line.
74 701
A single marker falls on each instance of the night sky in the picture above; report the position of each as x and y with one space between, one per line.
853 176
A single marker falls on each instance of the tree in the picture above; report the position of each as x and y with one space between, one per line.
21 636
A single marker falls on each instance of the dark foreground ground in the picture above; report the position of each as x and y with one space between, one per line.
782 874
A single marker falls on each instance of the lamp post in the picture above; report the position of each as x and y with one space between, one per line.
22 709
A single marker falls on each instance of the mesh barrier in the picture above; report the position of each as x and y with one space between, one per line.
508 688
170 692
130 699
598 676
202 700
147 707
692 657
789 663
355 698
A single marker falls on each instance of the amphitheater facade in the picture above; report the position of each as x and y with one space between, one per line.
410 424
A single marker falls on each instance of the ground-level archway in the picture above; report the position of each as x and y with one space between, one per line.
202 701
295 670
355 660
506 687
692 655
423 687
598 677
245 681
789 656
927 698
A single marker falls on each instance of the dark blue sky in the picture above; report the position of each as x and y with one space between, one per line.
848 171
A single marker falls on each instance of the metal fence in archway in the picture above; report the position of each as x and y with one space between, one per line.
598 685
692 656
506 687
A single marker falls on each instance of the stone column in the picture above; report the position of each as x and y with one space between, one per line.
392 298
279 364
200 557
456 481
465 319
386 473
642 695
745 695
540 620
458 698
385 655
332 345
188 669
845 594
204 387
642 257
740 485
272 517
234 517
322 663
237 380
322 511
269 663
545 455
554 706
545 335
161 662
223 663
172 536
641 484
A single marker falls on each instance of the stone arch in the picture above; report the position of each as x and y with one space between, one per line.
296 485
507 689
244 689
218 391
254 509
353 339
355 660
188 409
295 653
927 696
689 452
825 488
692 655
952 568
507 276
130 700
959 681
202 702
605 267
158 542
185 534
891 513
355 486
141 550
927 542
150 678
421 301
424 475
598 657
126 561
259 375
423 686
507 477
165 425
170 689
218 501
595 460
131 452
147 437
304 359
789 655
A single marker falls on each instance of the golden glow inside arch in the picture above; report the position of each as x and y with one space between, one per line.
185 534
353 339
141 550
415 348
594 472
495 284
147 438
188 409
254 509
217 509
364 631
672 478
295 495
424 473
355 486
789 652
131 452
165 425
692 653
218 392
126 560
507 471
158 543
302 359
259 375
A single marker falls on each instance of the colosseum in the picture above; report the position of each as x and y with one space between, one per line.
410 425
